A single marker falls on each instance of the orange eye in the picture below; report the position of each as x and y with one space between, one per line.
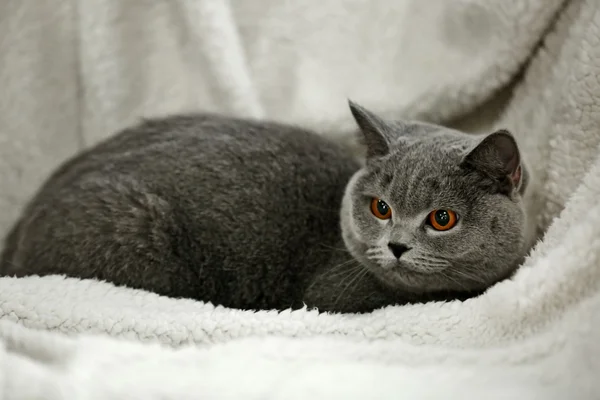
380 209
442 220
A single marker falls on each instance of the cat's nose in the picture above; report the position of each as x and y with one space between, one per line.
398 249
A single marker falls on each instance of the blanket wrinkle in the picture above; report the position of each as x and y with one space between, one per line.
532 336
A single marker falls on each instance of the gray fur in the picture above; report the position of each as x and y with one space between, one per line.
427 167
258 215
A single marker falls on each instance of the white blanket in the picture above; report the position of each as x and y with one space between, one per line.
534 336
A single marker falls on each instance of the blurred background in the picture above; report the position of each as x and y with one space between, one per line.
73 72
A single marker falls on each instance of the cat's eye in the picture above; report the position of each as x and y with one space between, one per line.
442 220
380 209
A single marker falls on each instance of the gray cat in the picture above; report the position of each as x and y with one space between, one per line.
259 215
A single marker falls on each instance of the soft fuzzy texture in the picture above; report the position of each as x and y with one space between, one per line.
533 336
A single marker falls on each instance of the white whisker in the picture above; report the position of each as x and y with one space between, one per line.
374 250
469 276
431 261
356 278
451 278
382 257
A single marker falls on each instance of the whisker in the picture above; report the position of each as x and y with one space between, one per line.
430 264
373 250
342 264
469 276
434 259
350 274
338 270
453 279
311 207
382 257
346 271
344 250
356 277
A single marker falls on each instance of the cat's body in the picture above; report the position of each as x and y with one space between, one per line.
247 215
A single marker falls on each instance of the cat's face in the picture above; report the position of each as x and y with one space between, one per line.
434 209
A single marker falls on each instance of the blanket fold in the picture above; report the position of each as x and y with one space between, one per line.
532 336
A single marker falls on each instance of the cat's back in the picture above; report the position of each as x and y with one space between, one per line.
167 145
192 206
209 156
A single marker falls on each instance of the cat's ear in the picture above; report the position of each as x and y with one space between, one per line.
497 156
377 134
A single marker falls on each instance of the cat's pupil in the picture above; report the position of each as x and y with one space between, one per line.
382 207
442 217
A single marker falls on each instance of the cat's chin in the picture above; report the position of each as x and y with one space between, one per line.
417 287
421 286
404 279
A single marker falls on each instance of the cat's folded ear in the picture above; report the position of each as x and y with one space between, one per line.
497 156
377 134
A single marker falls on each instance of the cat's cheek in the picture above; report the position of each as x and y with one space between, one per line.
447 243
361 227
456 231
373 231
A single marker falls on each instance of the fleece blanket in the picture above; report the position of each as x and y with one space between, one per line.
74 71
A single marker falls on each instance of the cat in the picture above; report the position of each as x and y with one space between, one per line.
262 215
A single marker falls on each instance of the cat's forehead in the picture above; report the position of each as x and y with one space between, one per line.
434 168
421 174
432 155
422 137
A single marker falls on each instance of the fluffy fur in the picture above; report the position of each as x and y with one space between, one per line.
258 215
417 168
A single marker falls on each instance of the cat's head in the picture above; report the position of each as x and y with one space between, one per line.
434 209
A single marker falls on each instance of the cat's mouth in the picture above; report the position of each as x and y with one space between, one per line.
410 263
419 268
417 275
